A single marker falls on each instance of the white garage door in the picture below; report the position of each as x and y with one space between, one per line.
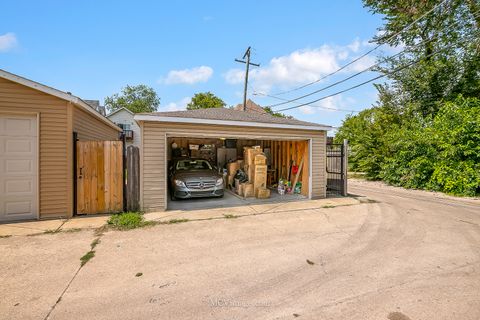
18 167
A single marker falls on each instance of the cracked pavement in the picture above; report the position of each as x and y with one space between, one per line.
409 255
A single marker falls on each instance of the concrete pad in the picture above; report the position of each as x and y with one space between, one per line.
35 270
249 209
230 200
85 222
402 257
30 227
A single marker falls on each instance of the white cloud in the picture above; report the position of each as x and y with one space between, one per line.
188 76
302 66
329 104
355 45
8 41
307 110
176 106
234 76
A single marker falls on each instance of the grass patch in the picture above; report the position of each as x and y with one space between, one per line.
94 243
51 231
356 175
174 221
127 221
328 206
87 257
6 236
230 216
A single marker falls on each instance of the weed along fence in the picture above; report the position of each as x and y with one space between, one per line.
106 177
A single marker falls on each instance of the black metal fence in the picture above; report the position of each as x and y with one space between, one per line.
336 169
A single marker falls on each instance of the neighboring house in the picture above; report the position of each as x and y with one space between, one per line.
160 129
95 104
250 107
124 119
37 123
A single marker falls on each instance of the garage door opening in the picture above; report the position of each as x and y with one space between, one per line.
206 172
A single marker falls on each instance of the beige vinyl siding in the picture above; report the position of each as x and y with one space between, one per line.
90 128
54 175
125 117
153 153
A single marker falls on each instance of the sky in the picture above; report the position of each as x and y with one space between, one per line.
95 48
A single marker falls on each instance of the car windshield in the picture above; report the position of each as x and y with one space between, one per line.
193 165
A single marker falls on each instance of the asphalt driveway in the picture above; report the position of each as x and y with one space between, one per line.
399 255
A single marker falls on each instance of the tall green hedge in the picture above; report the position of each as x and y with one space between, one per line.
440 153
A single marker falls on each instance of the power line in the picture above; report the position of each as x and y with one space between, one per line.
365 54
361 84
308 105
285 101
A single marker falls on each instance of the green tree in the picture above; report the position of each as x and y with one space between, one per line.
424 131
137 99
205 100
276 114
444 44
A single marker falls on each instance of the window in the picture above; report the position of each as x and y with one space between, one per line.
124 126
193 165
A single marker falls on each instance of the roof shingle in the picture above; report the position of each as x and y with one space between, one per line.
226 114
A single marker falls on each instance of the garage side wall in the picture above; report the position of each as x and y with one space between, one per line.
90 128
153 154
54 175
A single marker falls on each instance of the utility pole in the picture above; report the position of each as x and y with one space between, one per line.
247 63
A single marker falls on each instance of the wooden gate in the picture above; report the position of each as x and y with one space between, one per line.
99 177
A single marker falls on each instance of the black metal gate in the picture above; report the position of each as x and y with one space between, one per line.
336 169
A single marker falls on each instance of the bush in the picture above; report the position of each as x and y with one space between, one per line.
439 153
127 220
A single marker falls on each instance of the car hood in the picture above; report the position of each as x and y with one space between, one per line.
196 175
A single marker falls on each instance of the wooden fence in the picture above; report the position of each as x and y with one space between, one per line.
133 179
99 177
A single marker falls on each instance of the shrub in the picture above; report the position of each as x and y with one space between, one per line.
440 152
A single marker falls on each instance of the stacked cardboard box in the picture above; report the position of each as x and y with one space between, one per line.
232 169
259 177
238 187
262 193
255 165
247 189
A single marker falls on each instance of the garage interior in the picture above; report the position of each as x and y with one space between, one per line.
254 171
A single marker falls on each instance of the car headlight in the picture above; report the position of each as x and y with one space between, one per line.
219 181
179 183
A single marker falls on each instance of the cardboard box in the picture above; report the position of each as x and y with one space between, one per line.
240 163
232 168
195 153
260 159
251 173
262 193
250 153
259 176
239 188
230 180
247 190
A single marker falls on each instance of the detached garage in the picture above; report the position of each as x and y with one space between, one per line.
37 124
286 140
